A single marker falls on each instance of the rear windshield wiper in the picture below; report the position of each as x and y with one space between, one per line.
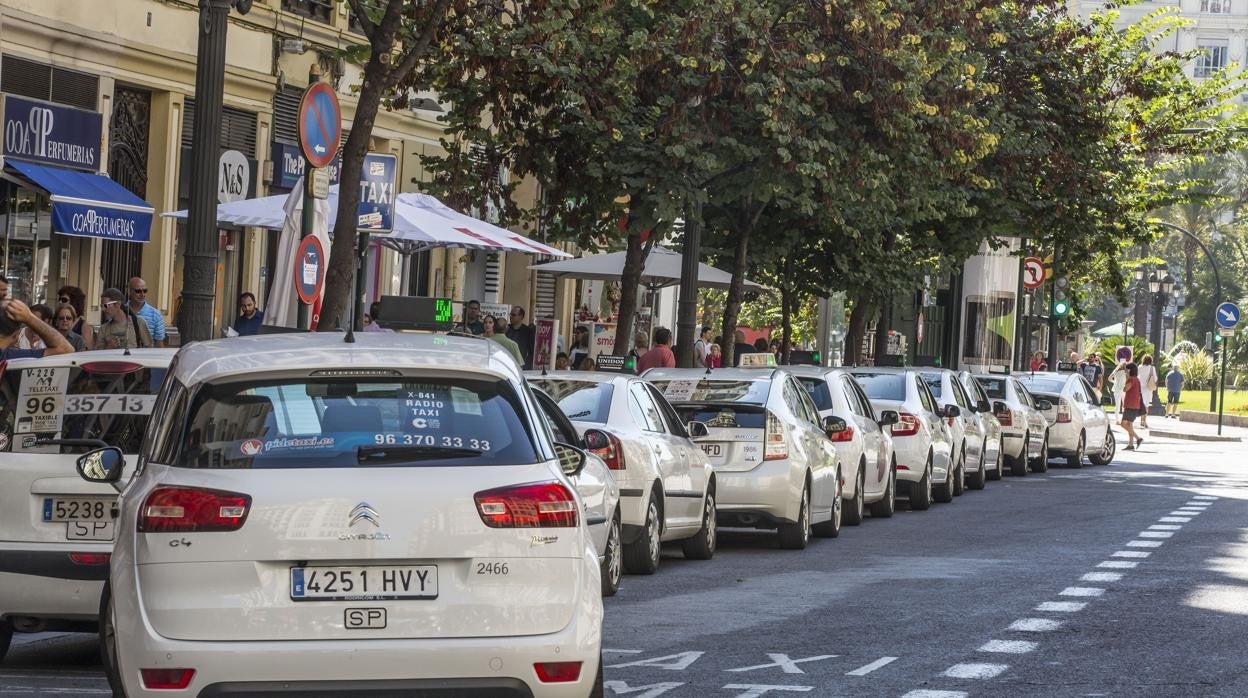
384 454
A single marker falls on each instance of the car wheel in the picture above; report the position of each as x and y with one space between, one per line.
795 536
702 546
832 527
999 471
1018 466
598 690
1041 463
1108 450
888 504
944 493
613 560
959 475
856 508
1075 460
642 555
6 637
979 478
108 642
921 491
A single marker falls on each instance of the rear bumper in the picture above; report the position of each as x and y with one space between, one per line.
441 688
1063 437
767 493
911 455
48 584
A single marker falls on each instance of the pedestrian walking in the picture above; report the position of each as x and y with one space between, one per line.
1148 385
641 344
523 335
64 321
702 348
139 306
495 329
1094 373
1174 388
77 298
250 317
1118 381
120 328
660 355
14 316
1133 405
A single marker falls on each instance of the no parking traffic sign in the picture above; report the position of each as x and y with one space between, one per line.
309 269
320 124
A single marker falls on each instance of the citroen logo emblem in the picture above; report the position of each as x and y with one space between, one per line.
365 512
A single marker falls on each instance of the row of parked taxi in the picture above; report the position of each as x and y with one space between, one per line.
299 514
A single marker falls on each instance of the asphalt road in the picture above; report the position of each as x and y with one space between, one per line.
1126 580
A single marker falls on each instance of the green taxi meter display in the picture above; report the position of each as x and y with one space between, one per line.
416 313
443 310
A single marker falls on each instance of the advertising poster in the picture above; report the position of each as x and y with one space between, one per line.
544 343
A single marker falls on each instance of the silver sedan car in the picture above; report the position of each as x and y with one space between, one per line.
1078 427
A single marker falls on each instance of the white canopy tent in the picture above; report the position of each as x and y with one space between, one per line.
662 269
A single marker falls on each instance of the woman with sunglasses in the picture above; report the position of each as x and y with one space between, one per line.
64 320
78 299
120 328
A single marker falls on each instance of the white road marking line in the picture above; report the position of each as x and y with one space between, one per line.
868 668
654 690
784 663
1144 544
1082 591
1192 509
928 693
754 690
1036 625
1131 553
1204 496
972 670
1175 519
1009 646
1189 512
1118 565
1155 534
675 662
1101 577
1062 606
1165 527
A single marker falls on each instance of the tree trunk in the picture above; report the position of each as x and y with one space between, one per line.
736 290
340 276
630 284
786 311
857 328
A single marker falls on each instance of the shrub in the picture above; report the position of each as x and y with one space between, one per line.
1198 370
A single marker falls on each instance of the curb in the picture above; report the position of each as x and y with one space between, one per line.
1193 437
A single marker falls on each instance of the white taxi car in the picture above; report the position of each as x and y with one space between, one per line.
56 531
667 485
966 429
309 515
774 464
1024 431
1078 426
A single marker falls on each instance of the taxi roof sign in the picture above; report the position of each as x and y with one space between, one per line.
611 363
758 360
416 313
1067 367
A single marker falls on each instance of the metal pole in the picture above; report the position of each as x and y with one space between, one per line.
200 263
308 217
687 306
356 320
1226 349
1217 282
1057 274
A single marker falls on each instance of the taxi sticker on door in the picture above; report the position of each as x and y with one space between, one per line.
41 400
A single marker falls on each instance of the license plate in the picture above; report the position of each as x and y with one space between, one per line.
364 583
56 509
90 530
713 450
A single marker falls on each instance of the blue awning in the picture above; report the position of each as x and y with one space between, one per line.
90 205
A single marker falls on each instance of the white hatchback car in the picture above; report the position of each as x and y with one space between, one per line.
1078 427
308 515
667 485
1024 431
861 437
921 439
56 531
774 464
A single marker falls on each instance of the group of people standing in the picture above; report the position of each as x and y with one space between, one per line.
126 321
512 333
1133 387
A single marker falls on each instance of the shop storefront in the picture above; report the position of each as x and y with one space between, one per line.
52 185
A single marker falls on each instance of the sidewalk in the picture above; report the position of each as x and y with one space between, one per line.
1192 431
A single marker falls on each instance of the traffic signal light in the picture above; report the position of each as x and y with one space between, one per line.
1061 308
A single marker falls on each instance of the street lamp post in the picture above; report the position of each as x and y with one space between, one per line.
1160 286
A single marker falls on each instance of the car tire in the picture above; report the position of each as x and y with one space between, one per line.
832 527
921 491
613 560
978 479
1041 463
6 638
856 509
642 555
888 503
599 689
998 472
1108 450
796 536
1075 460
959 476
702 545
108 642
1018 466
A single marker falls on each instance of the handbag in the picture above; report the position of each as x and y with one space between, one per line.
1152 381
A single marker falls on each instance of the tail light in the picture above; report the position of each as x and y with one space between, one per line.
113 367
89 559
907 425
606 446
535 505
557 672
166 679
846 434
193 510
1063 411
1005 417
776 444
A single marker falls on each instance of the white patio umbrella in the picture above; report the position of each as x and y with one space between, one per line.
662 268
280 307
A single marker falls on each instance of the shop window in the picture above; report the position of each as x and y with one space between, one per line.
35 80
319 10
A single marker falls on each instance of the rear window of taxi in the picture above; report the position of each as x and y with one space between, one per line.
723 404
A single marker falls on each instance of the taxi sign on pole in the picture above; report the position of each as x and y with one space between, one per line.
1033 273
377 179
320 124
309 269
1227 315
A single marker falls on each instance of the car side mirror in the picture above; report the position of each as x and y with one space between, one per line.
697 430
952 411
1044 405
983 406
833 425
571 459
888 418
103 465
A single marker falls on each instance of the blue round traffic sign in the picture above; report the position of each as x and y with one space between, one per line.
320 124
1227 315
309 269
